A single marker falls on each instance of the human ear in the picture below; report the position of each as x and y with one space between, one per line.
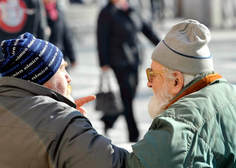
178 82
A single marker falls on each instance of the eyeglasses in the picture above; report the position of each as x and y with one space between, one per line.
151 74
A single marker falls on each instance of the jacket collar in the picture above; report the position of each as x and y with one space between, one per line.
15 87
198 83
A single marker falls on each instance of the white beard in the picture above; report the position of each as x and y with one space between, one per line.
58 89
70 98
69 90
158 102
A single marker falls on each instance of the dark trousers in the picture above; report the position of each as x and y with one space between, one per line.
127 78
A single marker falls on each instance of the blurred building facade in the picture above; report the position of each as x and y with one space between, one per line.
219 14
213 13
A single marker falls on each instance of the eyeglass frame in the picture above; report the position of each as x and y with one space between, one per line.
150 72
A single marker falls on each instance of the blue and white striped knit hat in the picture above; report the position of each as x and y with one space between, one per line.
30 59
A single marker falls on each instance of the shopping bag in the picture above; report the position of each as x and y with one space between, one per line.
107 101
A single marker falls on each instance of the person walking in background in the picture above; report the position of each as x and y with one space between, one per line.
157 7
229 13
60 33
119 49
40 123
19 16
193 107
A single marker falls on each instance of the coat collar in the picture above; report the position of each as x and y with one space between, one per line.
198 83
15 87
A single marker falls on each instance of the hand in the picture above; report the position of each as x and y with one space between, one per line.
105 68
73 64
80 102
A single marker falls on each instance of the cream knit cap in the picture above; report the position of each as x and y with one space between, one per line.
185 49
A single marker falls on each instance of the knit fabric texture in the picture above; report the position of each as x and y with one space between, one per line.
185 49
30 59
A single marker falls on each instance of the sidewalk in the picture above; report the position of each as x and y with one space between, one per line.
85 77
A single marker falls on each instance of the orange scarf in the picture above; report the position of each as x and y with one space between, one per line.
197 86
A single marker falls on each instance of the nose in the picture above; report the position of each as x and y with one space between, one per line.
149 84
68 78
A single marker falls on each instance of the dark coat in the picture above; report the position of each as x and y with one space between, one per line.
61 35
32 20
117 36
29 17
41 128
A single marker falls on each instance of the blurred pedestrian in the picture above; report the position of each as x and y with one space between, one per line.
119 48
229 13
157 7
40 125
60 35
19 16
76 1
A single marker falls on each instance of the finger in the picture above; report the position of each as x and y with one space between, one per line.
82 111
84 100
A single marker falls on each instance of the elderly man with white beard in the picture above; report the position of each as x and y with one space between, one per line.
193 107
160 100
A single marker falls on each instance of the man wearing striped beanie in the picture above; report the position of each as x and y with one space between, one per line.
40 124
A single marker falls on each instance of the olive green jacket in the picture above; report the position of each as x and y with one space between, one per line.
39 128
199 130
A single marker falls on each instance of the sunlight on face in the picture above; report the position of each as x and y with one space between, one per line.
159 101
60 81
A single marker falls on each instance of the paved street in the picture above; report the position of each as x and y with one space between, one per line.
82 20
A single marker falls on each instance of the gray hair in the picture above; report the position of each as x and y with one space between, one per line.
187 77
